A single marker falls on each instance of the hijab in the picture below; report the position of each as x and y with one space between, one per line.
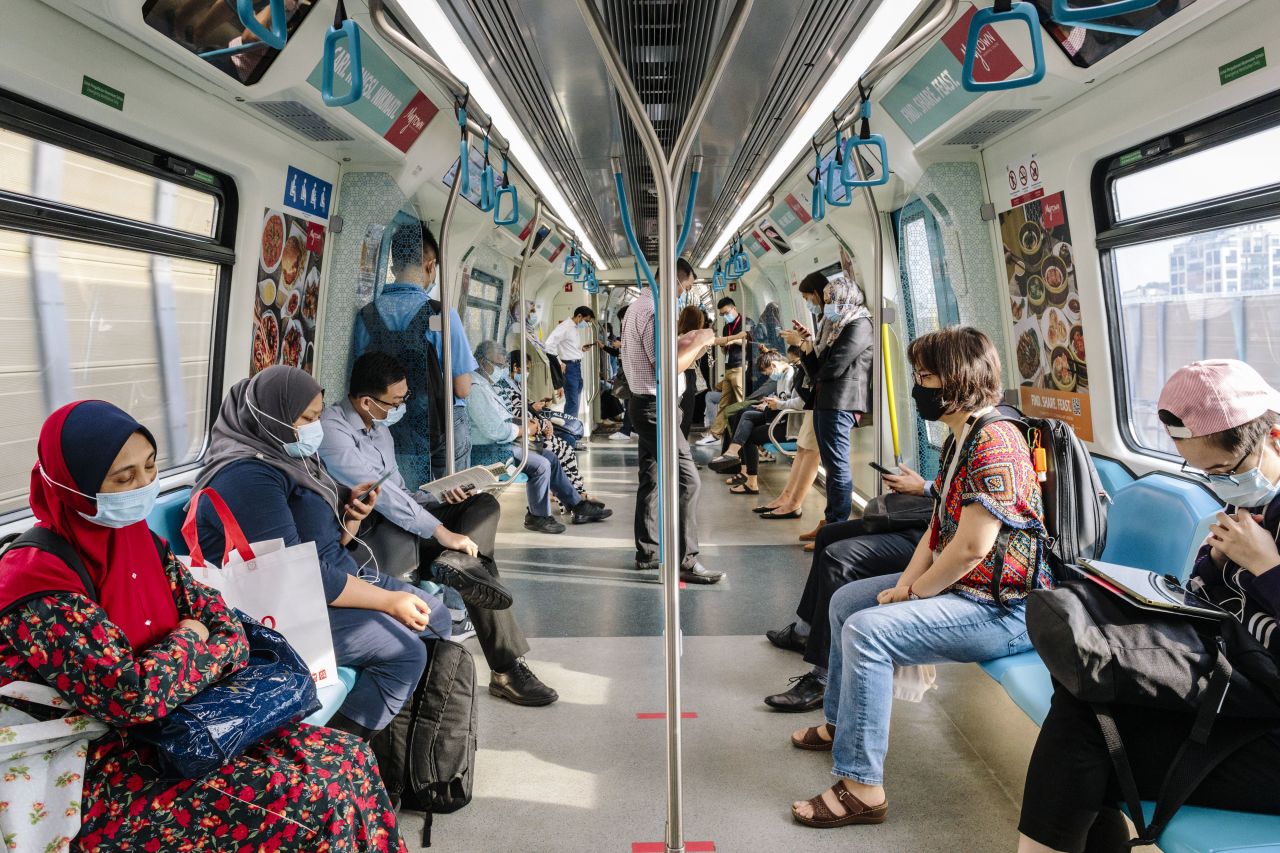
846 297
520 313
255 423
77 446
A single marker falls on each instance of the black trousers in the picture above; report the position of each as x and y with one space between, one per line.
497 631
1071 779
644 418
688 400
843 553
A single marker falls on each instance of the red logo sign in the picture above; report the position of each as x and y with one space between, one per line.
1052 213
315 237
555 254
409 126
760 240
995 60
568 287
798 209
733 286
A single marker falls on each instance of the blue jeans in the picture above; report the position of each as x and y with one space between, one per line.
572 387
868 640
546 475
832 426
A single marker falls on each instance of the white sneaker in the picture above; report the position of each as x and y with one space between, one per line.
707 439
621 436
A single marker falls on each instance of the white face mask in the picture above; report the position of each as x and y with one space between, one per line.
392 417
310 436
117 509
1248 489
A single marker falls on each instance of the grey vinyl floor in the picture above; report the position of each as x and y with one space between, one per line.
588 774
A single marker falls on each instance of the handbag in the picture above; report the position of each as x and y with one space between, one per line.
1103 649
223 720
276 585
892 512
621 390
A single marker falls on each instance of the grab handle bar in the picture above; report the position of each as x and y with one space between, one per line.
1065 13
343 27
818 204
571 260
488 189
865 139
464 154
273 37
1003 10
507 189
688 208
718 282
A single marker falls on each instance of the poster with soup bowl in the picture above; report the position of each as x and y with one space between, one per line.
1048 336
287 302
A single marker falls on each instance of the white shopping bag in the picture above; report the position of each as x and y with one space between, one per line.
43 770
278 586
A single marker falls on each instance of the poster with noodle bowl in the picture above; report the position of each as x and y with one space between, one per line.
1048 333
286 304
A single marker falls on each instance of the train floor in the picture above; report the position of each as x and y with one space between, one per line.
588 773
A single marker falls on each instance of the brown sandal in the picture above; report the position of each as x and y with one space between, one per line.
811 741
856 811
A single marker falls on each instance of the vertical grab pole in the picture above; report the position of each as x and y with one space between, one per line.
446 321
664 170
877 309
888 389
524 334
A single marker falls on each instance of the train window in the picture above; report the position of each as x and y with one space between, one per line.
112 280
1190 240
484 306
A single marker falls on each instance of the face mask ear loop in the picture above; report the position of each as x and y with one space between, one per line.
53 482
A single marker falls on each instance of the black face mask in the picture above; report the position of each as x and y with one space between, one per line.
928 402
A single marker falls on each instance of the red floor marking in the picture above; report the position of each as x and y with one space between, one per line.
661 715
683 585
661 847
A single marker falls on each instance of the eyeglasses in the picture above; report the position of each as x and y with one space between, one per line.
389 406
1229 477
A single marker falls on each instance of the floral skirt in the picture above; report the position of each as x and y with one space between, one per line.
303 790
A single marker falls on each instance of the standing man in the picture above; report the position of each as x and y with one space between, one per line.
732 387
405 323
565 345
639 357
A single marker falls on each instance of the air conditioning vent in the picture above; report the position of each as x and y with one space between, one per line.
989 126
301 119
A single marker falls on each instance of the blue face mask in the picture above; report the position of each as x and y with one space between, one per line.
499 374
118 509
729 316
831 313
393 415
815 310
582 325
533 319
777 375
1250 489
309 438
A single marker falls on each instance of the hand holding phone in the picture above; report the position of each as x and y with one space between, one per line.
888 472
386 476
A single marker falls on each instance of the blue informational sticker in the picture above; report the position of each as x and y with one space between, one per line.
307 193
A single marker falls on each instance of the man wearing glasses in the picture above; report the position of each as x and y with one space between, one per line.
413 536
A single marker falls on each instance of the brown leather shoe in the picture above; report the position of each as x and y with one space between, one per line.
813 534
810 547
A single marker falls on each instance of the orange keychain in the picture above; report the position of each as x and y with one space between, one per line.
1039 458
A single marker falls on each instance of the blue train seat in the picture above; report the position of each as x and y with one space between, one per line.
166 519
1176 505
781 449
1115 475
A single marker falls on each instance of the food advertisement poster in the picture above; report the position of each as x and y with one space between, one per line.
1047 332
288 295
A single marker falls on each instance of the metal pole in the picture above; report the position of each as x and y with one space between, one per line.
446 320
525 254
664 172
877 305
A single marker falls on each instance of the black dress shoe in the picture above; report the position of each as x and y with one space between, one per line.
542 523
520 686
787 639
806 694
473 582
588 511
647 565
698 573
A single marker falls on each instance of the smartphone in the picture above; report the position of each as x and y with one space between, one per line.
369 490
883 470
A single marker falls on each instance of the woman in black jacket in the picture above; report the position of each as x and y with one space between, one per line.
838 360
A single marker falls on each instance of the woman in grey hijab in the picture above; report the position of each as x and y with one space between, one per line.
262 462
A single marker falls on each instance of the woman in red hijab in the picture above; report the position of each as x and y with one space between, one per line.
145 639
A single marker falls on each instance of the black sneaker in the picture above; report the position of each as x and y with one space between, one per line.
520 686
542 523
473 582
805 694
589 511
725 464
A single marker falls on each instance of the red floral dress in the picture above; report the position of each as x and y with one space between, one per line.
303 790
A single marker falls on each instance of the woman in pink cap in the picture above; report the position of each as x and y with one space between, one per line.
1224 419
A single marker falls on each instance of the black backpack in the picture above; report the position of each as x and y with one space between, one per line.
1103 649
1075 502
421 431
427 755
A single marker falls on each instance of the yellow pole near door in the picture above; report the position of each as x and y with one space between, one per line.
887 358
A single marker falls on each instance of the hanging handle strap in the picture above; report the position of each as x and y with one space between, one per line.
233 536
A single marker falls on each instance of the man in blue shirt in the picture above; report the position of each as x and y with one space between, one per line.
401 321
450 542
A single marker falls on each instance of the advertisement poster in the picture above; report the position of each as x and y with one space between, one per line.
1047 332
773 235
288 295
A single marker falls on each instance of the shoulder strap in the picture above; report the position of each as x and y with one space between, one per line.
421 322
44 539
1002 540
373 322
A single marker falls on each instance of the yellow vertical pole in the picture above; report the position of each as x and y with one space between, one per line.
887 358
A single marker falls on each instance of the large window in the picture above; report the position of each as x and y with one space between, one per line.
113 261
1190 235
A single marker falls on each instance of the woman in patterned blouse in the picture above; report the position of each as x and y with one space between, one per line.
150 638
985 540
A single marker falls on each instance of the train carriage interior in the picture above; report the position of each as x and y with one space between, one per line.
194 191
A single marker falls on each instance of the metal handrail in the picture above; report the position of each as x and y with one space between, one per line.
782 413
446 318
525 254
664 170
877 308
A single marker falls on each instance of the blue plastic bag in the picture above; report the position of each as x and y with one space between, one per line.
222 721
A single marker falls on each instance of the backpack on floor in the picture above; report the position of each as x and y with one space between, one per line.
1075 502
427 755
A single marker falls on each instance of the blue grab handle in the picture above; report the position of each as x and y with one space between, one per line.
630 233
850 177
1022 11
277 35
351 33
488 189
464 155
829 185
717 279
580 274
1064 13
688 214
512 218
571 261
818 204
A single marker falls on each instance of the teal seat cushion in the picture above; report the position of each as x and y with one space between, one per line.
1199 830
167 517
1030 689
998 667
781 449
332 697
1115 476
1153 521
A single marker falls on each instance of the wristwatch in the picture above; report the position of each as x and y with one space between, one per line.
911 596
